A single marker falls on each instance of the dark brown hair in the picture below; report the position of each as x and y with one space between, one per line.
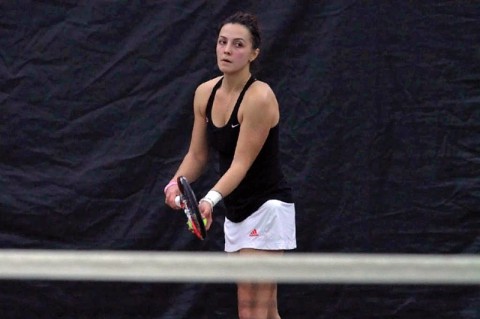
249 21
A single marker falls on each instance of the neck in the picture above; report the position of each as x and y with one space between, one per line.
235 82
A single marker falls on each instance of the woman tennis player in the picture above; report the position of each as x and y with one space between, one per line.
239 116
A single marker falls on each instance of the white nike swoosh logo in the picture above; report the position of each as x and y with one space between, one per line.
235 125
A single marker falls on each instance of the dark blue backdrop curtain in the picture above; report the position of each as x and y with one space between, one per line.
380 105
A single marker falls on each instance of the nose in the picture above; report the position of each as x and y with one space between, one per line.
227 49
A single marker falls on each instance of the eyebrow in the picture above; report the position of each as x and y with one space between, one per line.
235 39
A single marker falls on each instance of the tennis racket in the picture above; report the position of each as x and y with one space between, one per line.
188 202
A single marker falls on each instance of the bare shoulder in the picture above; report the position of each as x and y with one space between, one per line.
260 104
261 93
202 93
205 88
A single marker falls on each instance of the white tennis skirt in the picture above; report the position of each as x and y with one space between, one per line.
271 227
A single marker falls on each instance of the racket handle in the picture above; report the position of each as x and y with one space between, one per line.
177 201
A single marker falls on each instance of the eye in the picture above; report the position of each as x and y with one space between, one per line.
221 41
239 44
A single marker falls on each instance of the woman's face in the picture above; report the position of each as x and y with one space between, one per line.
234 48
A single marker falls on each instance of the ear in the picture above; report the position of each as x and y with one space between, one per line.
254 55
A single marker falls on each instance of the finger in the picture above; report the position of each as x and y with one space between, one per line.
171 201
177 201
208 217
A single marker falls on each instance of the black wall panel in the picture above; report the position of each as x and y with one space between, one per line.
380 107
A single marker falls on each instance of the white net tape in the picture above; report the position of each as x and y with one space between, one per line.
222 268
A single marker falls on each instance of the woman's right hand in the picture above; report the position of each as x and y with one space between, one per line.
170 194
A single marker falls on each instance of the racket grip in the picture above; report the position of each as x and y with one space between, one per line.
177 201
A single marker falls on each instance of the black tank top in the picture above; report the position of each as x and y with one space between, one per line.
264 180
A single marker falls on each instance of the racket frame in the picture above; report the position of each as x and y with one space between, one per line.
189 204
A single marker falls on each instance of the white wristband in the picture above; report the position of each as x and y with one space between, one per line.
213 197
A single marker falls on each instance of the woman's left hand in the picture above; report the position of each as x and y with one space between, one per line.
207 212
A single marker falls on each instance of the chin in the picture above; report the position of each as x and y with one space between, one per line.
228 70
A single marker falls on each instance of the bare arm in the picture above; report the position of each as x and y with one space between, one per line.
196 158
